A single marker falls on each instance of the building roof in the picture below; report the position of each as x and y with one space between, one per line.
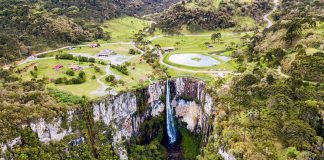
105 52
58 66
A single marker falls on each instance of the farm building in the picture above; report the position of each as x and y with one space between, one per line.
94 45
105 53
168 49
75 67
58 67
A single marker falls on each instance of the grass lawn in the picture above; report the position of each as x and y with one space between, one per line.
124 28
230 65
196 44
176 73
118 48
45 69
138 76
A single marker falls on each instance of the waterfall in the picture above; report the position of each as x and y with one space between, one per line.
169 117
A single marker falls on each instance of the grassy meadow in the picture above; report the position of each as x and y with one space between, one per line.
45 70
123 29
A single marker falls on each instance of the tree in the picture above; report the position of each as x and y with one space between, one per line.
82 74
132 51
270 79
110 78
215 36
70 72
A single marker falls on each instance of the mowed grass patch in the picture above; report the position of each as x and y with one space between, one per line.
197 43
45 70
122 29
117 48
138 76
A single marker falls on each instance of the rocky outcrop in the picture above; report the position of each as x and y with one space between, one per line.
46 131
125 112
192 104
52 131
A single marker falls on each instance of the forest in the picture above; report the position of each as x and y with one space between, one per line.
263 98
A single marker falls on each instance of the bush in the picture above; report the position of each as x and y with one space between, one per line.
64 56
121 68
77 80
132 51
82 75
59 81
92 60
70 72
110 78
97 69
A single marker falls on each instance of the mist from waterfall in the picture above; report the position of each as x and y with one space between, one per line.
171 130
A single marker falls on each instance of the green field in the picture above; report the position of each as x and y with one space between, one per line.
196 43
140 75
123 29
117 48
45 70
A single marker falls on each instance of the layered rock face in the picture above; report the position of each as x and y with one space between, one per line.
127 111
192 104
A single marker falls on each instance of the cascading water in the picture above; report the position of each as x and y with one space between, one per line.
171 130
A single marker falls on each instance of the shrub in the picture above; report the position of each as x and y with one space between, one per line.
82 75
58 81
121 68
64 56
70 72
97 69
132 51
92 60
110 78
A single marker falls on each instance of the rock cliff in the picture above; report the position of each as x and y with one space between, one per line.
125 112
190 99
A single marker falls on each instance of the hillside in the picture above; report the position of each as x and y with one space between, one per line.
31 26
162 79
205 15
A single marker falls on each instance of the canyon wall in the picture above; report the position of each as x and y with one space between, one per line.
190 100
125 113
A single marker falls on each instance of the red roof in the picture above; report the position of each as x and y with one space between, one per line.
58 66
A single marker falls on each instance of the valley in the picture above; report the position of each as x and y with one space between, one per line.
168 79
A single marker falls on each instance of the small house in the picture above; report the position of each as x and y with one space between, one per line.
75 67
210 46
94 45
58 67
168 49
71 48
105 53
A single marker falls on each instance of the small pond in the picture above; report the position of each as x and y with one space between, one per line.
194 60
224 58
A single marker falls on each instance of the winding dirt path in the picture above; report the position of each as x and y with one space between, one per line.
266 17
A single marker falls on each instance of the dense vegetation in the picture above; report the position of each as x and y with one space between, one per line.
196 18
24 102
263 117
273 110
269 115
35 25
148 145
